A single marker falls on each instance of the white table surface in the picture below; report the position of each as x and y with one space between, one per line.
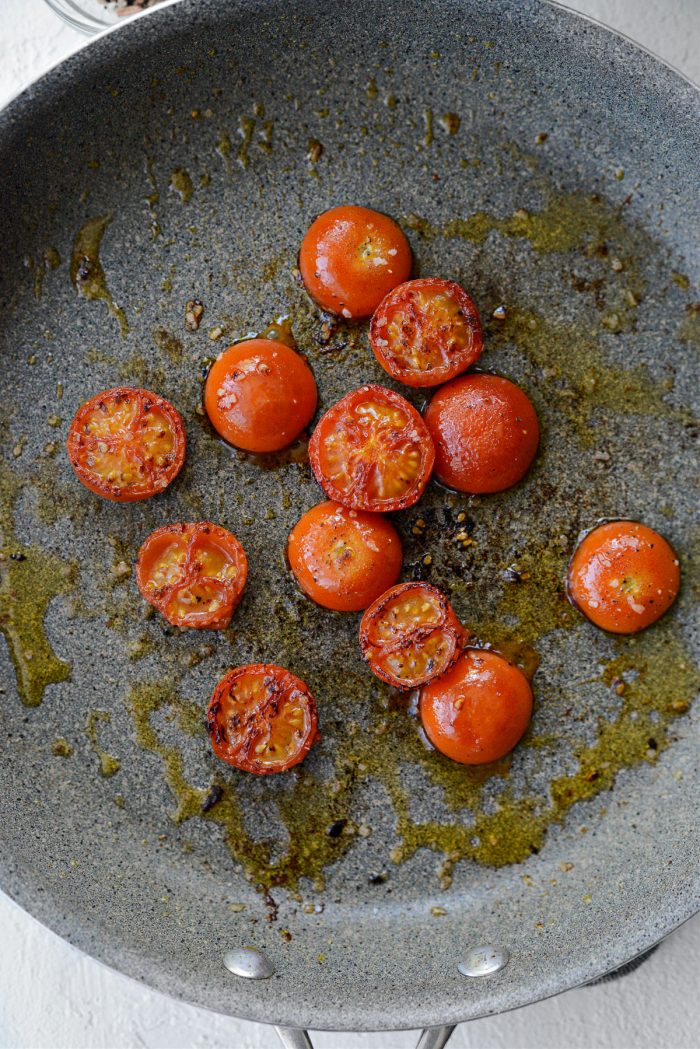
55 997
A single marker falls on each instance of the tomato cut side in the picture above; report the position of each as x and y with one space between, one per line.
426 331
193 573
260 394
623 576
262 719
411 635
351 257
126 444
478 710
344 559
372 451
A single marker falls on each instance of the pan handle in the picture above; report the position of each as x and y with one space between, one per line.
431 1038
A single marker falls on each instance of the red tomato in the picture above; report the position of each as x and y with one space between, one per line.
193 573
623 576
426 331
372 451
485 432
411 635
343 559
260 395
262 719
478 710
351 257
126 444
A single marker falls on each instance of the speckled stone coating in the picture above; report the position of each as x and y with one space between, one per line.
74 147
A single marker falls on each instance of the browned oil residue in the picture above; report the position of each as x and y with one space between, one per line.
86 271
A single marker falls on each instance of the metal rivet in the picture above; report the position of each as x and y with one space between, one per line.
481 961
250 963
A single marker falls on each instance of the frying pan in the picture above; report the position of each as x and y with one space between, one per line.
552 168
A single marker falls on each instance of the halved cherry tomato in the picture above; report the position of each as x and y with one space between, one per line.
262 719
411 635
351 257
193 573
126 444
623 576
426 331
478 710
344 559
372 451
485 432
260 395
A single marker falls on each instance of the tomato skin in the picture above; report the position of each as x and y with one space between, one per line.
478 710
426 331
343 559
259 395
130 430
372 451
623 576
351 257
251 710
485 431
410 635
193 573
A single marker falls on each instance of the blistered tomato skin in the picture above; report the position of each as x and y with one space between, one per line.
193 573
479 710
372 451
485 431
426 332
262 719
351 257
260 395
343 559
126 444
410 635
623 576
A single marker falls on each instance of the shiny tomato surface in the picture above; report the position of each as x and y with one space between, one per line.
351 257
193 573
126 444
372 451
623 576
259 395
478 710
426 331
262 719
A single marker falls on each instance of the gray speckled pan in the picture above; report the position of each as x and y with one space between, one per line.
192 127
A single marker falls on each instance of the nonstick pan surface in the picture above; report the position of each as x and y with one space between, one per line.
549 166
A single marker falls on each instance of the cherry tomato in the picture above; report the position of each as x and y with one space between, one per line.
351 257
426 331
623 576
260 395
344 559
193 573
485 432
411 635
372 451
262 719
478 710
126 444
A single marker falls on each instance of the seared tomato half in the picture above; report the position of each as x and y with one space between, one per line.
623 576
411 635
351 257
478 710
126 444
344 559
262 719
193 573
372 451
426 331
485 431
259 395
